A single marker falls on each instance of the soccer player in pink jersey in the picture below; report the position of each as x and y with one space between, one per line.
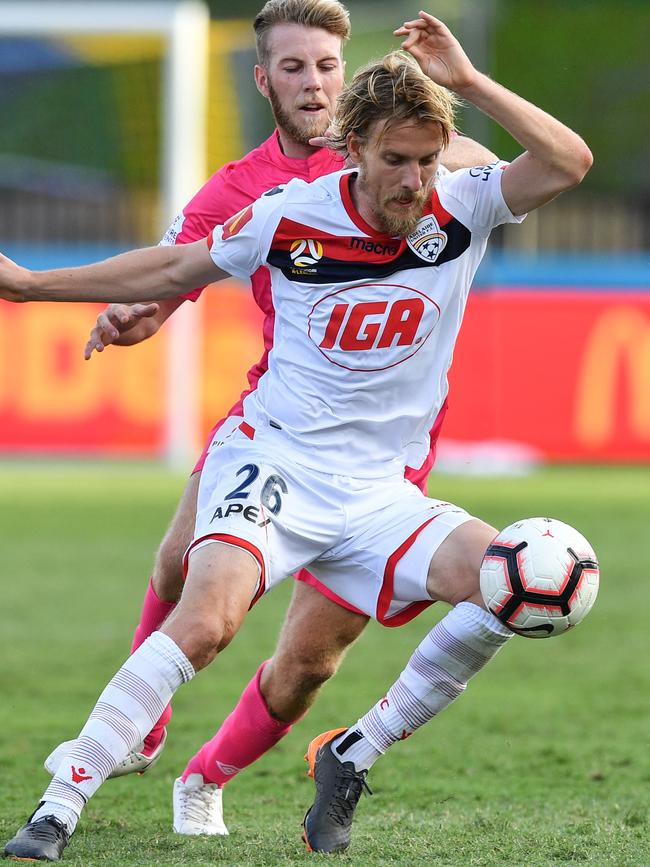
300 71
356 328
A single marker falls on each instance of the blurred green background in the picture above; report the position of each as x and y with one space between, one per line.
586 62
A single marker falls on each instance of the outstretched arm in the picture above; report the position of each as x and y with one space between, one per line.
142 275
556 158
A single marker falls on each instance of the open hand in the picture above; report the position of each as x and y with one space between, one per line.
115 321
438 52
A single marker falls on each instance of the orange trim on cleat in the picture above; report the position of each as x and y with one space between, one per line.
315 745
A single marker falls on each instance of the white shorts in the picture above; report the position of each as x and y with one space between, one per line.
368 541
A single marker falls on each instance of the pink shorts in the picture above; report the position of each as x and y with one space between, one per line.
418 477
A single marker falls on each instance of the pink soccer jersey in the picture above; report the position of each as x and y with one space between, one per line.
230 189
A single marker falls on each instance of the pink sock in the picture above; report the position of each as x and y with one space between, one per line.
154 613
245 735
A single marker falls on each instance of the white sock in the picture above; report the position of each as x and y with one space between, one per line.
124 714
437 673
353 747
63 814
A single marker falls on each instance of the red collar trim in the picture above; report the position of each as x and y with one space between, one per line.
353 214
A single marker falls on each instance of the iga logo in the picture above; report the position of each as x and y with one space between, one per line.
427 240
302 259
373 326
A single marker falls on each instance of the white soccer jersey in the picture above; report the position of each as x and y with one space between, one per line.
365 323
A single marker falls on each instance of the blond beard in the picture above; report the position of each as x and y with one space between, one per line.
396 225
300 134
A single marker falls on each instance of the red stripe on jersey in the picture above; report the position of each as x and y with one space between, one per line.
246 429
443 217
386 592
353 214
370 246
433 206
234 224
341 248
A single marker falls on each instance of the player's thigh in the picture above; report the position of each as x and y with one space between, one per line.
168 566
169 559
315 634
454 570
221 581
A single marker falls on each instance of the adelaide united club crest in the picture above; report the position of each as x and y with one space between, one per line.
427 240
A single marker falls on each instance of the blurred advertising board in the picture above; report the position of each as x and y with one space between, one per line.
54 402
563 370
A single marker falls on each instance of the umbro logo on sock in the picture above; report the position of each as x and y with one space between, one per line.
78 775
229 770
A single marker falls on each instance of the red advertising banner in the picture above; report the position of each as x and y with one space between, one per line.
564 371
52 401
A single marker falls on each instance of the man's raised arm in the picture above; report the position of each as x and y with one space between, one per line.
556 158
141 275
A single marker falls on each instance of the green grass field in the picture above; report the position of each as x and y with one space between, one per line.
545 759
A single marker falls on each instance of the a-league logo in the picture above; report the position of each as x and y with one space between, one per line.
427 240
306 253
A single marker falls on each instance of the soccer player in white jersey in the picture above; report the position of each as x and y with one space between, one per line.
300 70
370 272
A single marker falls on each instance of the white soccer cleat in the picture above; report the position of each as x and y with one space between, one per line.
198 807
135 763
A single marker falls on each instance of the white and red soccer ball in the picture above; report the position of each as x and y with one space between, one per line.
540 577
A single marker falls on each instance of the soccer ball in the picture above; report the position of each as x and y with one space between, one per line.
539 577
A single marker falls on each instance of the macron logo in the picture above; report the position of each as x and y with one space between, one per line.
78 775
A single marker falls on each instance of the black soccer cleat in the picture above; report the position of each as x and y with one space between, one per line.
42 840
328 823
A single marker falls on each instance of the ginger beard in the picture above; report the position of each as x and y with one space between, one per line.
397 212
297 124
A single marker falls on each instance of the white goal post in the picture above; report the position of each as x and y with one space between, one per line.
184 27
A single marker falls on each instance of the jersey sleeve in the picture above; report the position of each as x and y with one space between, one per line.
240 246
211 204
474 197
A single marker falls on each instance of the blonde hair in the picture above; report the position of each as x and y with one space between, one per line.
329 15
392 89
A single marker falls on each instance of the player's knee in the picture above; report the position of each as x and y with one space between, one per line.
454 572
225 631
201 640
